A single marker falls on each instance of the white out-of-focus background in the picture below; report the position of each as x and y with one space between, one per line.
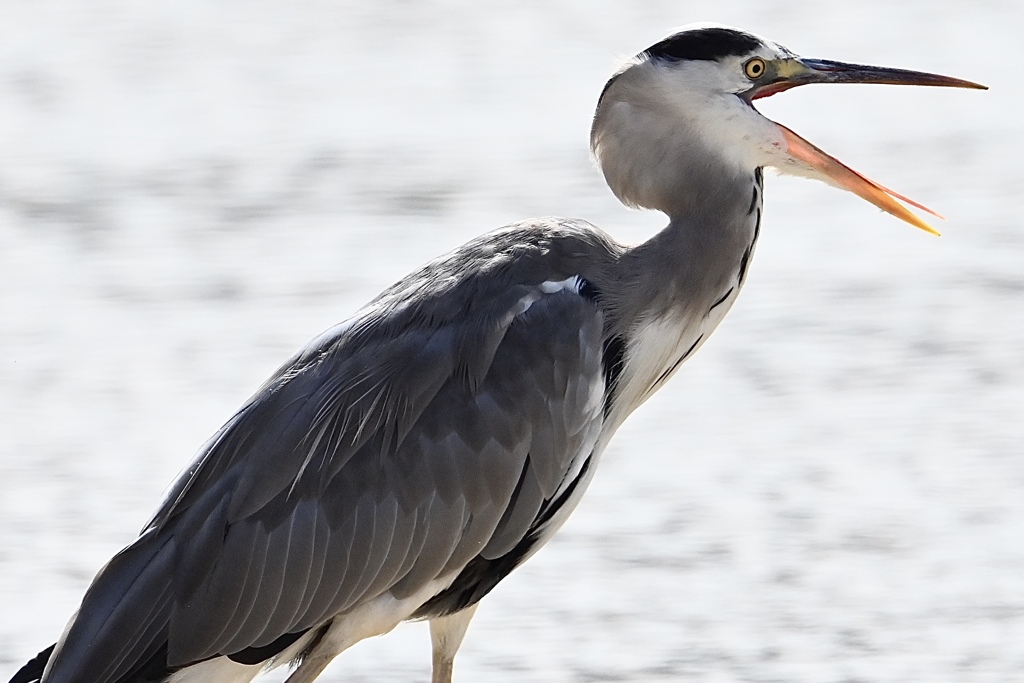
832 490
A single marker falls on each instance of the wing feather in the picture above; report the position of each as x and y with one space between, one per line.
271 585
518 516
250 576
392 450
300 559
420 522
373 580
319 540
198 621
360 552
126 603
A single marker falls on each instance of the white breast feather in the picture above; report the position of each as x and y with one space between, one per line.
656 347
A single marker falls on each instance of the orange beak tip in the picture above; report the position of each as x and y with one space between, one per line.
830 168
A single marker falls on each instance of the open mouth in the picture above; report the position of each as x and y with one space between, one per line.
804 158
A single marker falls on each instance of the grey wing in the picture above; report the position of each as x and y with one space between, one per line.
377 460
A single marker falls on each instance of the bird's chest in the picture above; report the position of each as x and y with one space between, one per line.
655 352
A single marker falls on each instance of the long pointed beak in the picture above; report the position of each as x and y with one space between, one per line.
804 158
790 73
825 71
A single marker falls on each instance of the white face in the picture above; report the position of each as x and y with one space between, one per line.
708 94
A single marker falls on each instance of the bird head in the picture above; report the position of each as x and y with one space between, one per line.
683 110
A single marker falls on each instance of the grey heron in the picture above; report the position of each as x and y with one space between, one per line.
405 461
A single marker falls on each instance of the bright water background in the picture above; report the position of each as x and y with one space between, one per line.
832 490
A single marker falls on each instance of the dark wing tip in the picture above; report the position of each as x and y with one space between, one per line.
33 669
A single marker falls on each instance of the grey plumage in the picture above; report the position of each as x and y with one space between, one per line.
389 451
405 461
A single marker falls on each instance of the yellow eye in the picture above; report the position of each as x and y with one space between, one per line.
754 68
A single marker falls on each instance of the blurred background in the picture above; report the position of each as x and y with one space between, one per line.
831 490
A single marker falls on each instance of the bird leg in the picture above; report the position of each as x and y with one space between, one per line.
446 634
312 665
335 637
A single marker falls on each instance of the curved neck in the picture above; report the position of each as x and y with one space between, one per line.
672 290
694 259
655 154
